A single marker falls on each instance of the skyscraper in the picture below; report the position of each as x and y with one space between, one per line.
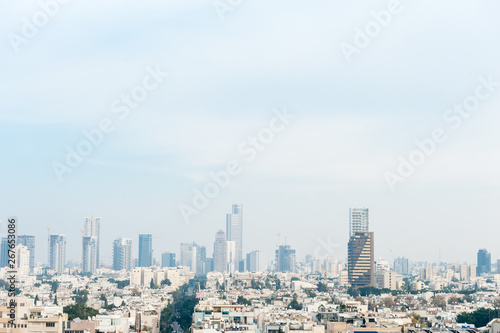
89 254
4 259
29 242
122 254
145 250
22 260
285 259
92 228
401 266
483 262
360 260
234 230
359 221
220 250
57 252
189 255
168 259
256 261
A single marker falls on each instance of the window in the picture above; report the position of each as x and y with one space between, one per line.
51 324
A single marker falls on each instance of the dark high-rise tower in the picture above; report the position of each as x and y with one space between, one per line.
483 262
145 250
285 259
360 260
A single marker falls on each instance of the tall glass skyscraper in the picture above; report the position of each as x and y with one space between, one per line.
285 259
57 253
483 262
4 253
122 254
234 230
89 254
29 242
92 228
145 250
359 221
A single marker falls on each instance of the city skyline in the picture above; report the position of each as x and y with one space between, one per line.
92 266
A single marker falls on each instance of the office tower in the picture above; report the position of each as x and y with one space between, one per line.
29 242
498 266
256 261
122 254
201 256
231 256
4 260
234 230
57 253
285 259
483 262
401 266
168 259
358 221
89 254
145 250
360 256
92 228
209 265
220 252
189 255
22 260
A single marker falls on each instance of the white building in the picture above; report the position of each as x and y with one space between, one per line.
359 221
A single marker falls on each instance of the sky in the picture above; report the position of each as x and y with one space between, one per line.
357 101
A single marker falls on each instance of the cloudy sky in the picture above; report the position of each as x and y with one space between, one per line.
231 65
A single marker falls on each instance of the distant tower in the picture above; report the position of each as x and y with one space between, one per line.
145 250
234 230
122 254
285 259
220 250
359 221
89 254
483 262
29 242
360 260
57 252
92 228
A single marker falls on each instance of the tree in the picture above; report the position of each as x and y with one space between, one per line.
322 287
388 302
152 284
243 301
104 298
55 300
439 301
479 318
166 282
79 311
453 300
294 304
